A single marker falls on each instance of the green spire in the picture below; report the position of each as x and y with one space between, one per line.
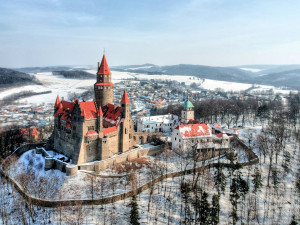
187 103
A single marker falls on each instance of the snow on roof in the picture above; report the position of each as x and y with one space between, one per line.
194 130
166 119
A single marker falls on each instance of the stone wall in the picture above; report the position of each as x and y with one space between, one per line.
98 166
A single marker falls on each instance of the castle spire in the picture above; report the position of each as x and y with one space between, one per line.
99 113
125 98
104 69
57 102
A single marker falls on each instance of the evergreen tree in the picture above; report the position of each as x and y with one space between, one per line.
215 210
234 197
134 213
275 178
220 180
293 222
257 180
204 210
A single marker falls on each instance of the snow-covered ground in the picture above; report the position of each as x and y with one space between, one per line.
164 203
253 70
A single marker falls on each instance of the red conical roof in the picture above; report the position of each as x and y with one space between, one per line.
125 98
60 109
104 69
100 113
57 102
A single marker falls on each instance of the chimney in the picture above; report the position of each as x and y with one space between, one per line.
98 65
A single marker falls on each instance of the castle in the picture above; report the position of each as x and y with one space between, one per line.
93 130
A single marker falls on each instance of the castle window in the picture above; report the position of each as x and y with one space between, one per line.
125 130
175 139
91 128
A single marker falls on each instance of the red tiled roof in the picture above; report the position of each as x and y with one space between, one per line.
104 69
91 133
109 129
68 126
23 130
194 130
60 110
99 113
104 84
217 126
34 131
220 135
88 109
111 114
68 105
125 98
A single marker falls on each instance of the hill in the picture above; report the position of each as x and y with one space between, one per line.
9 78
289 78
78 74
209 72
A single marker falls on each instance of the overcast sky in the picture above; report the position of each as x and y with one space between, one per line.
163 32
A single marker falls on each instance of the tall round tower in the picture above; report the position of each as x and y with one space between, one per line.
104 88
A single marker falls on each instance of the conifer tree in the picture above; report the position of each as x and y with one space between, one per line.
134 213
215 210
204 210
220 180
257 180
293 222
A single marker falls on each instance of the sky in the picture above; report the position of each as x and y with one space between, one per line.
162 32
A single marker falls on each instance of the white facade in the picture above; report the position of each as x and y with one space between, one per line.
154 124
184 137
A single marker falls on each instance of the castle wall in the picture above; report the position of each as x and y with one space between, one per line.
109 145
126 156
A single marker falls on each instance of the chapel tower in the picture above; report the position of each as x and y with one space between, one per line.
104 88
187 113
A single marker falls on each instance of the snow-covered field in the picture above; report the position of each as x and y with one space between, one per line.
58 85
251 69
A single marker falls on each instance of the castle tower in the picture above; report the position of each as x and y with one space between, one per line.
100 122
187 113
125 125
104 88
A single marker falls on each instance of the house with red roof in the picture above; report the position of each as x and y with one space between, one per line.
189 134
94 130
198 136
